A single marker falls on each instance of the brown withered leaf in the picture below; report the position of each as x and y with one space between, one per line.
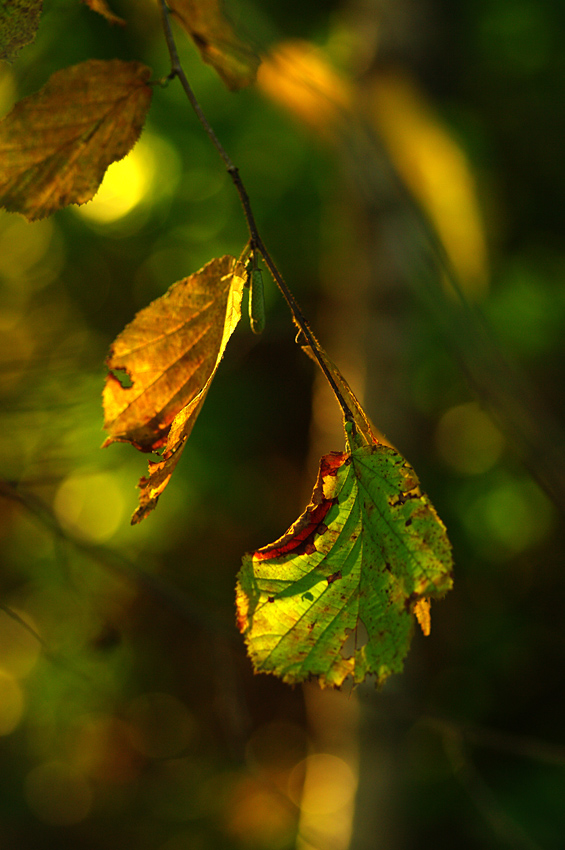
103 9
19 20
217 41
56 144
170 354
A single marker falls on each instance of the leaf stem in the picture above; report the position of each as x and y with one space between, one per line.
256 240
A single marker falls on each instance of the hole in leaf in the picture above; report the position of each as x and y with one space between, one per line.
356 639
122 377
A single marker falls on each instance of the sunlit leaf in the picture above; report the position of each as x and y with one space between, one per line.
55 145
217 41
162 364
103 9
19 20
336 595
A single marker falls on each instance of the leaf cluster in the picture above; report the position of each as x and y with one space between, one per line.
336 596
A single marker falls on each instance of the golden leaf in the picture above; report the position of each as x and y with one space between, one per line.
56 144
170 354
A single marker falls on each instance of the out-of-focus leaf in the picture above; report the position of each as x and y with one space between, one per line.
435 169
170 354
217 41
103 9
298 76
55 145
19 20
335 595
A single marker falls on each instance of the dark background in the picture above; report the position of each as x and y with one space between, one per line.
139 723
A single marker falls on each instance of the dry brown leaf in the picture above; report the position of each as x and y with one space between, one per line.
56 145
19 20
103 9
170 354
216 40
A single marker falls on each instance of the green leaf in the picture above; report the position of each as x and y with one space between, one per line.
336 595
19 20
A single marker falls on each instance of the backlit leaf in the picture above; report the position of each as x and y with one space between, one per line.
169 355
103 9
216 40
19 20
55 145
336 595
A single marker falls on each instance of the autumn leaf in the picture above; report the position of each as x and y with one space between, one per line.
19 20
103 9
169 355
336 595
217 41
55 145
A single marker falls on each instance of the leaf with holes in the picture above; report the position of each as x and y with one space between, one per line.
216 40
162 364
56 145
336 595
19 20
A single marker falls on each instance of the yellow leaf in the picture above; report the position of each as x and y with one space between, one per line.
19 20
103 9
55 145
170 354
216 40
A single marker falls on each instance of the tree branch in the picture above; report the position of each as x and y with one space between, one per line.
256 240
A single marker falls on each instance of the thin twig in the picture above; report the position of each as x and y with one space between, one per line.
177 70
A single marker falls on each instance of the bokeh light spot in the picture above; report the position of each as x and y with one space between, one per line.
124 185
58 794
467 439
259 817
327 783
149 171
511 517
90 505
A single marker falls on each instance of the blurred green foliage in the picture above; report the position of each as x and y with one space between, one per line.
138 722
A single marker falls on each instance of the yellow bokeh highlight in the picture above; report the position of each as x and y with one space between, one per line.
436 170
90 505
125 184
329 784
467 439
11 703
19 649
299 77
58 794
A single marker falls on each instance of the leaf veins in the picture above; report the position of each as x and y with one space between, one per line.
335 596
56 145
162 364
